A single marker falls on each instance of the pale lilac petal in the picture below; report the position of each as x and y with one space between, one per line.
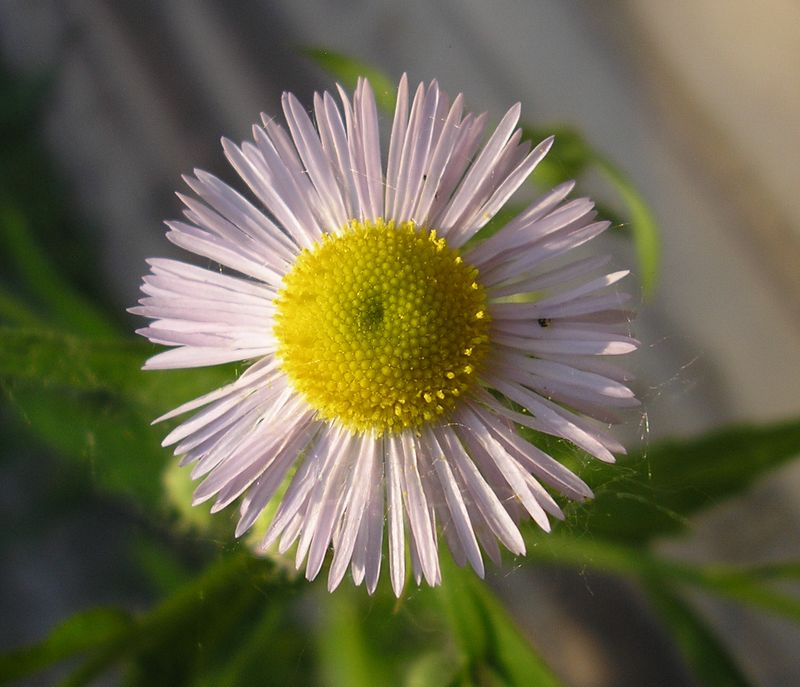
232 237
396 145
250 221
358 492
482 168
270 468
394 489
220 250
549 418
203 357
334 142
317 164
416 152
362 134
371 147
438 163
252 375
466 142
511 181
486 448
332 502
564 375
482 494
194 277
458 511
367 553
318 460
375 518
556 277
542 219
523 261
417 508
573 341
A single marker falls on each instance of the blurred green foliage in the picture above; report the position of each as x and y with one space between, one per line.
73 378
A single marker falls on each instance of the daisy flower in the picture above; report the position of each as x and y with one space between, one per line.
390 358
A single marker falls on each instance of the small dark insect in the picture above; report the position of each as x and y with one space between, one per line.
544 321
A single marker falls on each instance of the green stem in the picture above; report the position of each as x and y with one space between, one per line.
643 224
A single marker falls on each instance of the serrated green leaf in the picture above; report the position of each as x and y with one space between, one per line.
347 70
749 585
706 655
655 492
79 633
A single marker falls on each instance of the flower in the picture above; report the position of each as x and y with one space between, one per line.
392 357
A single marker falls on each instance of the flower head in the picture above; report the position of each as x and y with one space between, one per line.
391 358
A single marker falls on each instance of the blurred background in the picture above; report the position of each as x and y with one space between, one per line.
698 102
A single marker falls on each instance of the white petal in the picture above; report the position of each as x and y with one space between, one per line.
482 168
458 511
397 556
483 495
396 140
319 170
355 503
485 447
417 509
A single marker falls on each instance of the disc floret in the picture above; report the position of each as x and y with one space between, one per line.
381 327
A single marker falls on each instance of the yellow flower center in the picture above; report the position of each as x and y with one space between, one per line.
381 327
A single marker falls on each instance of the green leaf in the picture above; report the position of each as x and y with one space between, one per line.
749 585
55 359
91 401
14 311
709 659
347 70
654 493
269 640
75 635
67 307
492 648
114 441
196 632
